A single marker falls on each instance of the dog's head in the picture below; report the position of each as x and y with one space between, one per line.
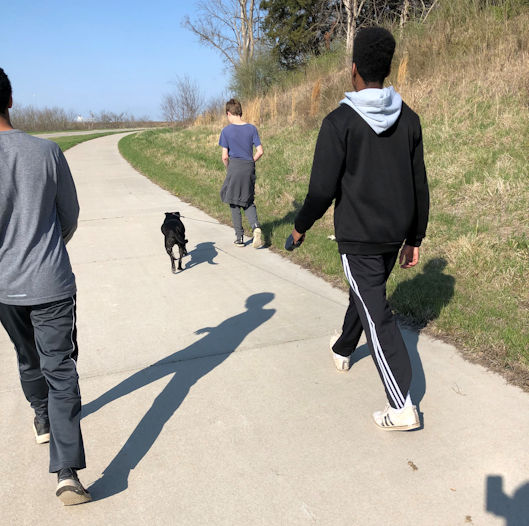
172 214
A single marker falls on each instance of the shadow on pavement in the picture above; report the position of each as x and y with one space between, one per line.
202 253
218 343
515 509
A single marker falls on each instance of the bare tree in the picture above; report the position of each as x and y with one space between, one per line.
184 104
353 8
229 26
169 107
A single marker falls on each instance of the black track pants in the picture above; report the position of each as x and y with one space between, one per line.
369 311
45 339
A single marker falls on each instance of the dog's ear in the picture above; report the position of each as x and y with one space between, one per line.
177 214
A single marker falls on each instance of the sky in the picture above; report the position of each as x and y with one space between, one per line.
113 55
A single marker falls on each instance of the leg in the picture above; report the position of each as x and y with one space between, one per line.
251 215
56 341
169 250
237 220
351 330
17 323
367 276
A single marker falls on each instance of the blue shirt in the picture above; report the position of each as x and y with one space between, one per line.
240 139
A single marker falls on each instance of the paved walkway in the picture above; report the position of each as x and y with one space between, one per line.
210 397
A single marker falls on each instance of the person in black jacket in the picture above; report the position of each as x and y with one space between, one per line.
369 159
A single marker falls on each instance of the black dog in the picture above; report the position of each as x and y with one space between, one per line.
175 234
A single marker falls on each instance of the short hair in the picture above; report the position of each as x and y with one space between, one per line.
234 107
5 91
373 50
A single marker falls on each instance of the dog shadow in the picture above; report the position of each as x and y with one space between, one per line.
217 344
202 253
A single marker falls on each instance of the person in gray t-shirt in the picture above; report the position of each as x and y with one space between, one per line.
38 216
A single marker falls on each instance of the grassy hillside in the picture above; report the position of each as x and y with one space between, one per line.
465 72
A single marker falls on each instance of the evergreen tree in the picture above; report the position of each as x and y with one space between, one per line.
297 28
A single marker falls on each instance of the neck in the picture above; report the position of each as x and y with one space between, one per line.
5 123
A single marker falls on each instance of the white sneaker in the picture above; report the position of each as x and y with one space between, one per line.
257 238
342 363
396 419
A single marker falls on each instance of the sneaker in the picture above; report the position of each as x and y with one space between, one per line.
69 489
257 238
239 242
342 363
41 429
396 419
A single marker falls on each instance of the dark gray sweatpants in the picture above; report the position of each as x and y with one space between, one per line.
251 215
369 311
45 339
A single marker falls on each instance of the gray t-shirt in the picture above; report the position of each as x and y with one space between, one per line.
38 216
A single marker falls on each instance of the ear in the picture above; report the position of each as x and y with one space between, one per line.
10 105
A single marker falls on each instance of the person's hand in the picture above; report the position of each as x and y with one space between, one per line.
409 255
297 236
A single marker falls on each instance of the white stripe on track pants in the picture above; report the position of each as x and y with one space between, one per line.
369 311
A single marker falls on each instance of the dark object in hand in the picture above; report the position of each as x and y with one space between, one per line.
290 245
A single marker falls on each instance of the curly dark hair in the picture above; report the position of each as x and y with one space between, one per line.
5 91
373 50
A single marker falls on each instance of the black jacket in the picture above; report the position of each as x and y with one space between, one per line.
378 181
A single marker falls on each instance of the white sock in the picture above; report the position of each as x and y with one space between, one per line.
407 403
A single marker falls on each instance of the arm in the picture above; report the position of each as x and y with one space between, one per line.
327 170
258 153
225 157
66 200
417 230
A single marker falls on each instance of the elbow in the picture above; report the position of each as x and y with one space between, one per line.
67 233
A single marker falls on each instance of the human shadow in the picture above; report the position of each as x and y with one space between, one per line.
514 509
202 253
218 343
422 298
419 301
418 379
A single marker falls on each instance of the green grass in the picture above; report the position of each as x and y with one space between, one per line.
69 141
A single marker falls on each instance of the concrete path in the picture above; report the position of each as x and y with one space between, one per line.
210 397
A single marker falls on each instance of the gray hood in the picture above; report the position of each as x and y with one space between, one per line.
380 108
